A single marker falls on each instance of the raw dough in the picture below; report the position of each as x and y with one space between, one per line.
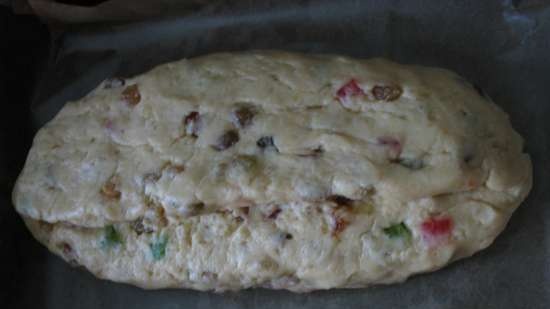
273 169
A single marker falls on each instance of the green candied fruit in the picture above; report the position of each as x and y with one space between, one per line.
399 230
158 248
111 237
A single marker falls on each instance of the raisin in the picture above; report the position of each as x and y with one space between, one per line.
208 276
387 92
239 214
341 215
114 82
66 248
242 117
109 190
45 226
319 150
195 209
479 90
173 168
315 152
340 200
161 216
151 177
227 140
131 95
68 253
191 123
393 144
468 158
138 227
177 168
108 124
274 213
340 225
266 142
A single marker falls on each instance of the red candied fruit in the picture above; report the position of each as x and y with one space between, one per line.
437 226
350 89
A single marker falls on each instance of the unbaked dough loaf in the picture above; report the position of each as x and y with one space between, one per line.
273 169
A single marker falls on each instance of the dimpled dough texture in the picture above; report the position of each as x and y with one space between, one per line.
273 169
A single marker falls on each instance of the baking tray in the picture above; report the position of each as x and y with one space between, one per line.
503 46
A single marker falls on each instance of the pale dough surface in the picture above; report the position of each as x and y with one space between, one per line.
273 169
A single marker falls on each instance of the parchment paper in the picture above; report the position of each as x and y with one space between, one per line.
504 46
